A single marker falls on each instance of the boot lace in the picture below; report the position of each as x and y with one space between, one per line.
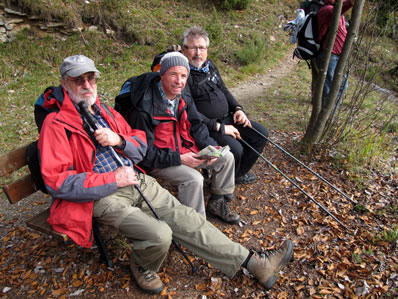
147 274
225 209
262 253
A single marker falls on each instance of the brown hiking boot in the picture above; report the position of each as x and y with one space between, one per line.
266 267
218 207
149 281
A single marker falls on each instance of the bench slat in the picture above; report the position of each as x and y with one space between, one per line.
39 223
13 160
20 189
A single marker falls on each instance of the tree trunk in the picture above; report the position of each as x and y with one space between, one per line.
320 73
320 114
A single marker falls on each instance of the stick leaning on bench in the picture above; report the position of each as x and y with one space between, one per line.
25 186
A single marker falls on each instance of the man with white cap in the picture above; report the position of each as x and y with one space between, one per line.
82 175
175 134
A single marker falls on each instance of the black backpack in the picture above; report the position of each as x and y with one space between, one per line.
308 45
32 156
311 6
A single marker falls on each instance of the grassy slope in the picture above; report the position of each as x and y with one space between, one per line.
30 63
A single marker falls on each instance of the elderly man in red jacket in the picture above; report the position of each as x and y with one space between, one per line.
85 179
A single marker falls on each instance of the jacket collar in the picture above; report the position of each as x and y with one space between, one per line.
69 114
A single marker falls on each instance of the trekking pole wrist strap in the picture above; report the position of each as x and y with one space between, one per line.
222 129
239 108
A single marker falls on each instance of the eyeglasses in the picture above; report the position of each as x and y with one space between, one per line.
92 79
201 48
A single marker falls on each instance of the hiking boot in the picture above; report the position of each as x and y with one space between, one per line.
248 178
228 197
218 207
266 267
149 281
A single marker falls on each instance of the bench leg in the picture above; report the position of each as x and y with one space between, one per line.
101 246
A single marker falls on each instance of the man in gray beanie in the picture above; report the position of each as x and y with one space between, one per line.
175 134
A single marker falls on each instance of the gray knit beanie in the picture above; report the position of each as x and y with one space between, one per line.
172 59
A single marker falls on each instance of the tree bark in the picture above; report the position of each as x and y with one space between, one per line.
320 114
321 73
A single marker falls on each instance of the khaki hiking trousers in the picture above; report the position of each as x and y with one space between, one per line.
127 212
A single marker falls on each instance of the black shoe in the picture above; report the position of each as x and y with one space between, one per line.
248 178
228 197
217 207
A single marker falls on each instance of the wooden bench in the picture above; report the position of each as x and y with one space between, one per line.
25 186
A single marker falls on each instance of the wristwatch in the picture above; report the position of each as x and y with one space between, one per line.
121 147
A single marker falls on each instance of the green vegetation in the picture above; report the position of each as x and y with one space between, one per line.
357 258
236 4
389 235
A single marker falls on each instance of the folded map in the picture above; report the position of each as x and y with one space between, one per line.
212 152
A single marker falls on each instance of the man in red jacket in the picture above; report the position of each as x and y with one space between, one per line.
176 133
324 17
85 179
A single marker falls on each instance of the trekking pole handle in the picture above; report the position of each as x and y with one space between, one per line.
88 116
94 125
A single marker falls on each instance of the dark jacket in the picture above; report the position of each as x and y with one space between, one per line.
212 98
167 136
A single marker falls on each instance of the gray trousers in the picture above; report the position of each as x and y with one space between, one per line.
126 211
190 181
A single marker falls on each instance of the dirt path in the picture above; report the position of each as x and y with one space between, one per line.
255 87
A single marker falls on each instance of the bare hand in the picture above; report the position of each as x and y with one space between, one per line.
125 176
210 161
106 137
190 159
240 118
232 131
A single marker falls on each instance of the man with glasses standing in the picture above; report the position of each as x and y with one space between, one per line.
85 180
225 118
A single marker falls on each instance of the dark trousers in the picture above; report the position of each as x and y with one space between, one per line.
244 156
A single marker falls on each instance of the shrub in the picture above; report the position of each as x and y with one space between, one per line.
215 29
236 4
253 49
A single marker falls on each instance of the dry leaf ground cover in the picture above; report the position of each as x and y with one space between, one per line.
329 261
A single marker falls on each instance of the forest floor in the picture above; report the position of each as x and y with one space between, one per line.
330 261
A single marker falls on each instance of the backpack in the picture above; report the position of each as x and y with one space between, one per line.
311 6
32 156
308 45
304 31
155 67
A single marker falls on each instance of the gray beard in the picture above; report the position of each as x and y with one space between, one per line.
77 98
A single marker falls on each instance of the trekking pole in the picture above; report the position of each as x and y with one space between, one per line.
294 184
93 124
305 166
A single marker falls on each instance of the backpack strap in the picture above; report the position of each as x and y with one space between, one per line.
106 108
32 156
